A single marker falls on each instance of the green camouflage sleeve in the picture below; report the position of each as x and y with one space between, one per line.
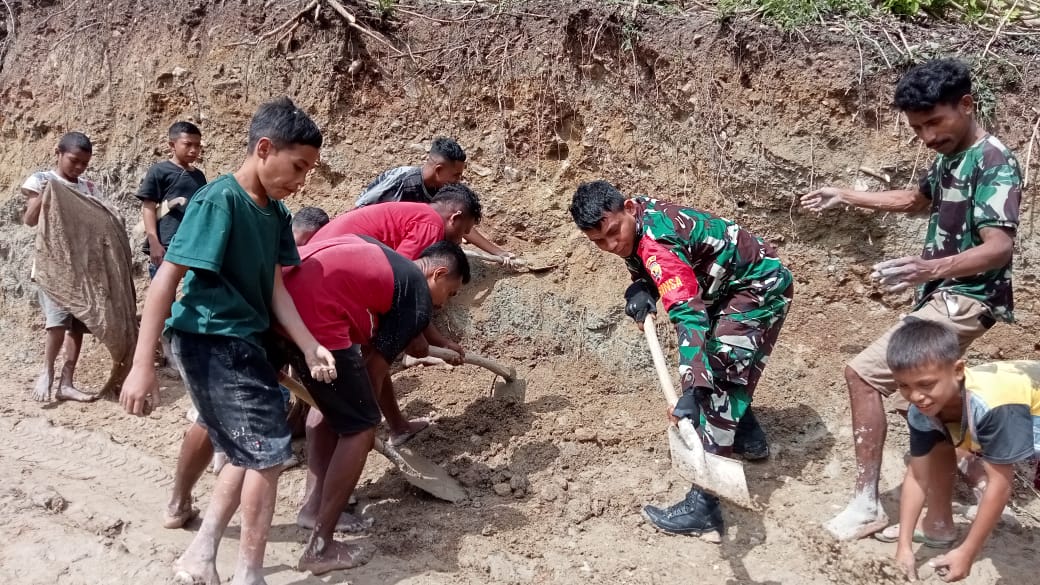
998 195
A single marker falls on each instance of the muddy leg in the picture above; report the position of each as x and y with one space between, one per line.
66 388
259 490
42 390
321 444
198 563
196 452
323 554
864 515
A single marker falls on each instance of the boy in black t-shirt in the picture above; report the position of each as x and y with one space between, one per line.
166 189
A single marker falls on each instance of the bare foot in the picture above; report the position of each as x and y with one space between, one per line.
41 392
195 572
70 392
347 522
178 516
402 436
859 520
322 557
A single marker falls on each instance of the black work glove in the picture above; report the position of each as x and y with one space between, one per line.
688 407
639 301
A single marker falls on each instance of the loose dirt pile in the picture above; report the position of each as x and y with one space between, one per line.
727 116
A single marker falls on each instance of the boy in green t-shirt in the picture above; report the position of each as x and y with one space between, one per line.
229 249
992 410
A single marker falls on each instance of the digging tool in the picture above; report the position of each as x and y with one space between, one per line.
521 263
507 373
418 470
720 475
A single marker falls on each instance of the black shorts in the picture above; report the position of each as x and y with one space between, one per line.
348 403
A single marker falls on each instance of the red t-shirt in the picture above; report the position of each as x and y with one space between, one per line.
340 288
407 228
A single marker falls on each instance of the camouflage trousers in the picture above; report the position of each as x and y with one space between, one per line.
744 328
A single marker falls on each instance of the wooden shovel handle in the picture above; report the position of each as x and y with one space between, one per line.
518 262
663 377
507 373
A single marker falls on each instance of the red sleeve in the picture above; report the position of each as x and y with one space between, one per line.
675 280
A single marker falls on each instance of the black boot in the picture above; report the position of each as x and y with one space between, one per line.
750 440
697 513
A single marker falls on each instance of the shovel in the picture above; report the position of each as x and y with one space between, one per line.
521 263
507 373
418 470
719 475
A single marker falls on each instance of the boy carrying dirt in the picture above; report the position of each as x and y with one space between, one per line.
727 293
306 222
229 250
444 165
992 410
169 185
366 303
74 152
973 191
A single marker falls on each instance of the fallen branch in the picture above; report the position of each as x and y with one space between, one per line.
1000 25
292 22
353 23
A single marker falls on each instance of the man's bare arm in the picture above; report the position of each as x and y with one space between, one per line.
33 204
901 201
151 228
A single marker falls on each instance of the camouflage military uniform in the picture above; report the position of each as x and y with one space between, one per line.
978 188
971 190
727 294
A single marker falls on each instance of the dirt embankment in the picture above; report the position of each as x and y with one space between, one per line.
728 116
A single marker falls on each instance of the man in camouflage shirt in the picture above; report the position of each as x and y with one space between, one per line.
727 294
963 276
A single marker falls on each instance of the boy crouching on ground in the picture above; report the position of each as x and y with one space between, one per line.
230 248
992 410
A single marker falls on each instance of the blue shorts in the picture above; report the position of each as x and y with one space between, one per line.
236 392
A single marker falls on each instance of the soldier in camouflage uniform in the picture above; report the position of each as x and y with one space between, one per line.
727 294
963 276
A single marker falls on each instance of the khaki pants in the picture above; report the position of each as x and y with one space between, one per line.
967 317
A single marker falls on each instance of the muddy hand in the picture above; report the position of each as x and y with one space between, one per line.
907 563
140 391
822 199
902 273
455 347
952 566
322 364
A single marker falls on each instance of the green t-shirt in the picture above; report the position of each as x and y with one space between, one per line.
231 246
978 188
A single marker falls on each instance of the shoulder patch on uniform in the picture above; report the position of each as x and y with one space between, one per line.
654 268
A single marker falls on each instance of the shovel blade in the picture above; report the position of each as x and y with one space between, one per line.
719 475
429 477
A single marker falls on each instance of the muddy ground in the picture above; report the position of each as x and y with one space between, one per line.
730 116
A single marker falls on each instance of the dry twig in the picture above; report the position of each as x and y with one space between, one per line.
996 33
292 22
353 23
1029 153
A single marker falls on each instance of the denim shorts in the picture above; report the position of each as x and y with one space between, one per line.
236 393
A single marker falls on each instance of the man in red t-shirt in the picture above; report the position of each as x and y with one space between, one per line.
354 292
409 227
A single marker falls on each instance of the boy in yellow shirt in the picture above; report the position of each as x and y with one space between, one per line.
992 410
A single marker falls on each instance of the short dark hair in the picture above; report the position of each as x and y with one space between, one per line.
918 343
461 198
449 255
935 82
447 149
75 141
310 218
591 200
281 122
183 127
